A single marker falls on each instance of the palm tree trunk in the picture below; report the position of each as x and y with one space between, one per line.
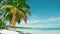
13 21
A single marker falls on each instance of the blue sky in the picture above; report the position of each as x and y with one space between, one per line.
45 14
45 8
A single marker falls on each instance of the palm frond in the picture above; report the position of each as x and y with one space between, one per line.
7 6
26 11
19 21
18 18
23 15
6 16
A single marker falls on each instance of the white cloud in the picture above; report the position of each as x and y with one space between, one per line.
44 20
33 20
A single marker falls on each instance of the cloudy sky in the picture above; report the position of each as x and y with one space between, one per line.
45 14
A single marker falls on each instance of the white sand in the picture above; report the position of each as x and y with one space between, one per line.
3 31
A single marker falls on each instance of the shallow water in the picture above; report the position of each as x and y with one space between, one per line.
41 31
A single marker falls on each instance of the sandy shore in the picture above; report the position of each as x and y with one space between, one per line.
4 31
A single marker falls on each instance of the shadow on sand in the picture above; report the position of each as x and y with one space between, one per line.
23 32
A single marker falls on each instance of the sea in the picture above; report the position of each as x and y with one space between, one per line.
40 30
45 28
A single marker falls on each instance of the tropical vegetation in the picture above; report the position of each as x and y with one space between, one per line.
14 11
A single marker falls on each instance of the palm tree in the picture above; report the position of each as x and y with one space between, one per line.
15 10
3 25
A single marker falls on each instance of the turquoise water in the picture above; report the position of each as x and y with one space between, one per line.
45 28
41 30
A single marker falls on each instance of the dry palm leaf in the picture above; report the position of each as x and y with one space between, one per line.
27 11
23 15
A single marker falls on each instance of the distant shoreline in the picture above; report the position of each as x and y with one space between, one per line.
39 28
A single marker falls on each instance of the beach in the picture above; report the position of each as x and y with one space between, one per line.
4 31
26 31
